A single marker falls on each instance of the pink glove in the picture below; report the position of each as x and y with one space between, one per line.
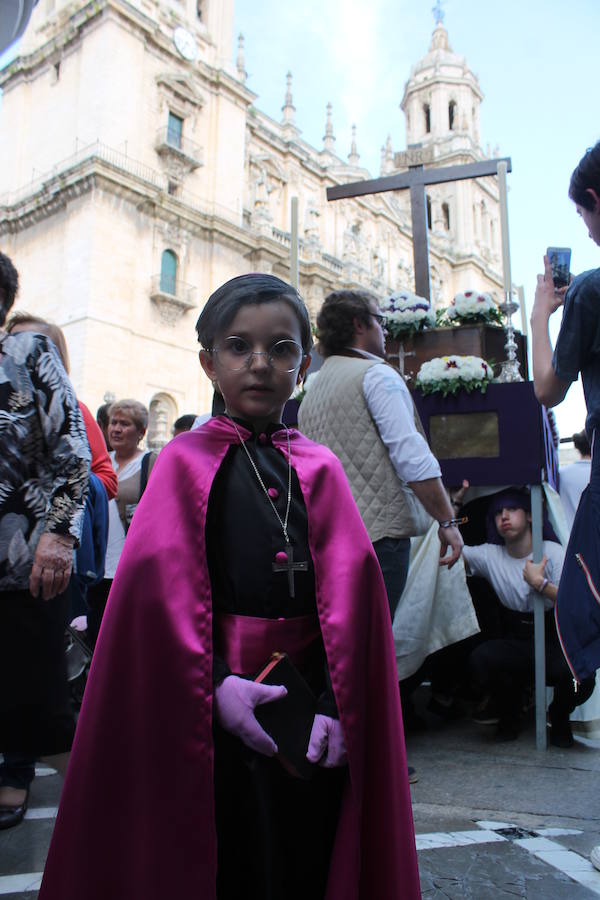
235 700
326 735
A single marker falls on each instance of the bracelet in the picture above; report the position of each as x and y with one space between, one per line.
542 586
448 523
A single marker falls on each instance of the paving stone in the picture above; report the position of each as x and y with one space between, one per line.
493 871
24 848
28 895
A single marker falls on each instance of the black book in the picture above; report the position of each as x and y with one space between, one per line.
289 721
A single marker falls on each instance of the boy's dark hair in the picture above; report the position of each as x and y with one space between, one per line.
102 417
185 422
335 322
585 176
514 498
9 285
222 306
582 443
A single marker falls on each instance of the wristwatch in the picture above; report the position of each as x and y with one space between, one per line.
448 523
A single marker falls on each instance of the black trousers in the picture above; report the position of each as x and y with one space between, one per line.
275 833
505 667
97 595
393 555
17 770
36 717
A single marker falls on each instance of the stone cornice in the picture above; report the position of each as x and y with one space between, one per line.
26 67
97 173
267 130
414 86
46 202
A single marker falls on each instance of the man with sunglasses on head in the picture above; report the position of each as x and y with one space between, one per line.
360 407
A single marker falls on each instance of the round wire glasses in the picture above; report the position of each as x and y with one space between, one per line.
235 353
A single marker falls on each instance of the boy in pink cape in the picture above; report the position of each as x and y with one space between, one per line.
247 541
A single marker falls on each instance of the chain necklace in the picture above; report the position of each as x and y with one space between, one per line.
284 561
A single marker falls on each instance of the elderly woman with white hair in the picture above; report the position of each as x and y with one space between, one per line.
128 421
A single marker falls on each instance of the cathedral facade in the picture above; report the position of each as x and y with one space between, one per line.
137 173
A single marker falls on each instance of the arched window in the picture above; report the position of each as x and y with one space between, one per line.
163 412
429 213
427 113
168 272
446 215
451 114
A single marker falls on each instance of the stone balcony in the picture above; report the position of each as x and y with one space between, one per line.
173 298
178 154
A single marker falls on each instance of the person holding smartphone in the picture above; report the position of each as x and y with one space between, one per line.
577 351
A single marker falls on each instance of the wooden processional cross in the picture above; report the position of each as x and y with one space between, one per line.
416 180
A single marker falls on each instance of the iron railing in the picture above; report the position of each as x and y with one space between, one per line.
169 140
166 286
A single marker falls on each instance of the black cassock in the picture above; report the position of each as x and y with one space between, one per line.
275 832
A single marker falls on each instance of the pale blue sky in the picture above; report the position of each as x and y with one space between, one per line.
535 62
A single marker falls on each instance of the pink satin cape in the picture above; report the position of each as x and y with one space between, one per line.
136 820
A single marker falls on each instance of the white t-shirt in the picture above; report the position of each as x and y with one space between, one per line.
505 572
116 532
573 480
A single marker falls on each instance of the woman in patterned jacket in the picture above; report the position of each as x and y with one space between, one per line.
44 470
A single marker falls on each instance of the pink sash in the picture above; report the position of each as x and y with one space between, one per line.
246 643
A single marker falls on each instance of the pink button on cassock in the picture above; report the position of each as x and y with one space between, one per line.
273 493
262 438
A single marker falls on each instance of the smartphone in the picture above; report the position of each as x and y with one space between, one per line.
560 260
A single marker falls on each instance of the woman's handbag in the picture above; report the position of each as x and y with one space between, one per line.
126 510
78 657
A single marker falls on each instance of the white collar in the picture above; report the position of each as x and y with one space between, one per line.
366 354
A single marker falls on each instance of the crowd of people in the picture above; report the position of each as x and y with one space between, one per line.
241 732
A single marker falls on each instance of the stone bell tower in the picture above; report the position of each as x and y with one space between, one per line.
441 103
441 100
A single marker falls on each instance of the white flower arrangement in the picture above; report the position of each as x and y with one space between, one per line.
449 374
406 313
471 307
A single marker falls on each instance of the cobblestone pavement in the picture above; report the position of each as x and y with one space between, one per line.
492 820
504 820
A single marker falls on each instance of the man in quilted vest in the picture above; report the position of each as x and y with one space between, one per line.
360 407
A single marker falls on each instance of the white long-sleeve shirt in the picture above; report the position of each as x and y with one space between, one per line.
391 406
